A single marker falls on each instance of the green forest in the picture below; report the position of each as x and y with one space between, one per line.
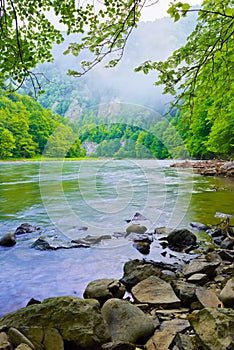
28 130
64 119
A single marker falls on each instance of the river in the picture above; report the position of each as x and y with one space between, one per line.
61 197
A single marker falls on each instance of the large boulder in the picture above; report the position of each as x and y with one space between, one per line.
136 271
127 322
79 322
214 328
154 291
8 240
181 239
104 289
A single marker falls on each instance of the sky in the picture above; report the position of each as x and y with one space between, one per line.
159 10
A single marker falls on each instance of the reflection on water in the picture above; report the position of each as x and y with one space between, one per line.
62 196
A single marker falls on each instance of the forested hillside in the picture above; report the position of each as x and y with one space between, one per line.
118 110
26 127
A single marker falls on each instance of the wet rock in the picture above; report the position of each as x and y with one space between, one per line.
227 243
16 338
74 319
26 228
142 247
198 278
104 289
163 230
139 217
127 322
181 239
226 254
199 226
185 291
91 240
207 298
46 243
8 240
136 271
227 293
136 228
154 291
214 328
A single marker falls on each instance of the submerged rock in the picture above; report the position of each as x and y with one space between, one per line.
104 289
126 322
26 228
91 240
46 243
8 240
199 226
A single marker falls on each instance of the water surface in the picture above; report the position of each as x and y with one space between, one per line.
61 197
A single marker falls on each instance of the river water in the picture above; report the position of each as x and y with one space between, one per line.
61 197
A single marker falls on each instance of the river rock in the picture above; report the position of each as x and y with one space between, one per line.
126 322
207 298
8 240
46 243
142 247
78 321
154 291
201 265
136 228
104 289
183 342
23 347
16 338
91 240
26 228
198 278
214 327
199 226
4 342
162 339
181 239
227 293
185 291
136 271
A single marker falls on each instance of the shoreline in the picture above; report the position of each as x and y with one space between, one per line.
172 301
208 167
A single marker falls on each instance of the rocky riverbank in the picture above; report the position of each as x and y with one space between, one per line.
209 167
154 306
